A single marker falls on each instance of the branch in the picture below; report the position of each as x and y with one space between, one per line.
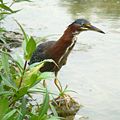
21 80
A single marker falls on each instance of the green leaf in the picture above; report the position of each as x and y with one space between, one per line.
21 92
25 35
3 107
31 46
26 39
24 47
5 63
15 11
9 114
45 75
53 110
22 0
44 108
23 109
8 13
6 93
1 1
30 76
2 30
32 80
3 6
8 82
5 13
34 117
6 75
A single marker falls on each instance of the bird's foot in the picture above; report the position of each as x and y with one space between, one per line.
65 105
64 100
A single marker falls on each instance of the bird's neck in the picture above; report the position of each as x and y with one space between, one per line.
61 46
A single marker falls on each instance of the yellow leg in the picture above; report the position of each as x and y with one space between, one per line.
57 83
64 99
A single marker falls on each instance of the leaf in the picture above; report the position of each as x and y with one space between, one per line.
3 107
2 30
25 35
6 75
5 13
19 63
22 0
53 110
6 93
32 80
9 114
15 11
32 74
23 109
44 108
46 75
3 6
26 39
8 82
24 47
31 46
8 13
5 63
34 117
1 1
21 92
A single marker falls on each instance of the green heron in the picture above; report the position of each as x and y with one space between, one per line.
60 49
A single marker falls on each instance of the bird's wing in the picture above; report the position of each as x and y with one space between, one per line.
39 53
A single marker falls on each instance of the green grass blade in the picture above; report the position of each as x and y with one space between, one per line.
45 106
3 6
3 107
9 114
5 63
23 109
25 35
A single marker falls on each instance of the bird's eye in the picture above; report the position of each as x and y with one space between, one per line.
82 25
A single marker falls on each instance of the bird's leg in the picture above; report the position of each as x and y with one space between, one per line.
57 82
61 98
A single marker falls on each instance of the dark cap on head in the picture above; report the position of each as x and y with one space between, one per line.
85 25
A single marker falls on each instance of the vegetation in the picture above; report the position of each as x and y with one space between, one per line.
19 82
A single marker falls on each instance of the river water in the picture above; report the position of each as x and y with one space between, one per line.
93 68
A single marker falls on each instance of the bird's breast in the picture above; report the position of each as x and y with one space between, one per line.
63 58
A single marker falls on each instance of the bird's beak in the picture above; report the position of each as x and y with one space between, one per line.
93 28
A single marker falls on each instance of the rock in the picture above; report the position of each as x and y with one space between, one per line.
10 39
13 36
66 106
13 39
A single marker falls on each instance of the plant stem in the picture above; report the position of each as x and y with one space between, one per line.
12 3
21 80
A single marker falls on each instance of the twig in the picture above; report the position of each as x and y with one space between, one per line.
23 74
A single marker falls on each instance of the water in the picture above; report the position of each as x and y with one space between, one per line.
93 68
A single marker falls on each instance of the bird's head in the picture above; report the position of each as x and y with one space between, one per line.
84 25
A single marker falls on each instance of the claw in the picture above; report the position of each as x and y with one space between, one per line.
63 100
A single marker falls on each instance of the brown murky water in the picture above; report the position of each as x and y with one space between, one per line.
93 68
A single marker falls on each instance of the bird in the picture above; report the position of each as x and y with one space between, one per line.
59 50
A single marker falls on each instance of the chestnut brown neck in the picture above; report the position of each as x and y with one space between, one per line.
60 47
